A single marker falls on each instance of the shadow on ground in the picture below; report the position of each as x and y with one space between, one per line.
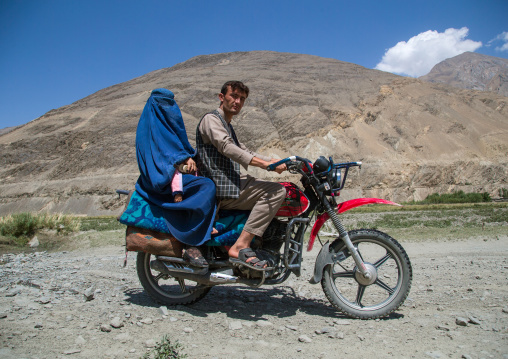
244 303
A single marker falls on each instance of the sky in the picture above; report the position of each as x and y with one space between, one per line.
55 52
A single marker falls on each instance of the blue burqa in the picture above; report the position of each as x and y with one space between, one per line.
162 143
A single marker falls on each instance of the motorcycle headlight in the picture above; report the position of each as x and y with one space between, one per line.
335 178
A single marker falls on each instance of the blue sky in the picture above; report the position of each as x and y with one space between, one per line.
54 52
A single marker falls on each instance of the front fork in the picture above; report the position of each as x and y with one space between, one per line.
343 235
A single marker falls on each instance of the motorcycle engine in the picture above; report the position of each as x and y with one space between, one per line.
273 238
272 260
267 248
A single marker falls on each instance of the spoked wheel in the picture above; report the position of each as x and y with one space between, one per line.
391 275
164 288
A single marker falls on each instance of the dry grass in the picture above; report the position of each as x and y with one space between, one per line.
409 223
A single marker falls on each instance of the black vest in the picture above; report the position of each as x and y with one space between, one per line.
214 165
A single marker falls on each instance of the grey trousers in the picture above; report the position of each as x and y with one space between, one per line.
263 198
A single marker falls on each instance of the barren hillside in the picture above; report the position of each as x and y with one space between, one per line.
472 71
414 137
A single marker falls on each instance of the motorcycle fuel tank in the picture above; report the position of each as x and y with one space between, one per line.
295 202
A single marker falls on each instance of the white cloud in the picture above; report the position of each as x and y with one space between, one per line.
419 54
501 37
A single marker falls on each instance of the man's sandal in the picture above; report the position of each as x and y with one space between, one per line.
255 263
194 257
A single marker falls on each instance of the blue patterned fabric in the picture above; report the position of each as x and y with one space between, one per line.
229 225
140 213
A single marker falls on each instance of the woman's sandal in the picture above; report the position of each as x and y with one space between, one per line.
194 257
255 263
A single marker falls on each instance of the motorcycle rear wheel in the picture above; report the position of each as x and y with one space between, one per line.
164 288
356 297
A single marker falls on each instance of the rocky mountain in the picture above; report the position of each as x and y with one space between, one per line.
414 137
472 71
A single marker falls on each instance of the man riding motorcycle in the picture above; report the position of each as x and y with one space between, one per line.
220 155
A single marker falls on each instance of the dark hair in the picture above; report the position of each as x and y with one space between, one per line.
235 85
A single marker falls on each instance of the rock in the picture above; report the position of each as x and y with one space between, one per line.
474 320
442 327
263 323
188 330
292 327
89 294
34 242
324 330
116 322
105 328
44 300
71 351
236 325
463 322
147 321
13 292
341 321
164 310
304 339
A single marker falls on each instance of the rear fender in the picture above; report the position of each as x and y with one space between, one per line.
343 207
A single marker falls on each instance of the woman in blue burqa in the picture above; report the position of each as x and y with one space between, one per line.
161 146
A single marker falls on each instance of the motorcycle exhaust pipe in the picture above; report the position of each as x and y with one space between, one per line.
179 268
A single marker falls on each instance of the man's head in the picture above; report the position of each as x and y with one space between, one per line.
232 97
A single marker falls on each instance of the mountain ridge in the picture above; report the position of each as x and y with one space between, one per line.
414 137
473 71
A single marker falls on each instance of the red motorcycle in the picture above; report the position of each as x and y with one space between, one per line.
364 273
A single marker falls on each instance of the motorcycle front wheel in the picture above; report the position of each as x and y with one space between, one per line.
391 275
164 288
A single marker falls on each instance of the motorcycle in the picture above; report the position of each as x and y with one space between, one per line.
364 273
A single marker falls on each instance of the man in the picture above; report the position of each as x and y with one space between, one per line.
220 155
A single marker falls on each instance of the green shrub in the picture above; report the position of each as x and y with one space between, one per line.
165 350
102 223
19 225
456 197
22 225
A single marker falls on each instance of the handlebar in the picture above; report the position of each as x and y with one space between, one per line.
306 162
347 164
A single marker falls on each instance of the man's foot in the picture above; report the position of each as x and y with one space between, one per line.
248 258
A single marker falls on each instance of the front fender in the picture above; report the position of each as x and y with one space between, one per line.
323 259
343 207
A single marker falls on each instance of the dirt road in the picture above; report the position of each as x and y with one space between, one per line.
84 304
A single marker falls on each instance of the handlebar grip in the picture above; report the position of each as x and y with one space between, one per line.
273 166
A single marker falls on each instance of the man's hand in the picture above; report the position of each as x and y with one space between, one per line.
280 168
258 162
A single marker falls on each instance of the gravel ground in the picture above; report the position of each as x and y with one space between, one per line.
84 304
